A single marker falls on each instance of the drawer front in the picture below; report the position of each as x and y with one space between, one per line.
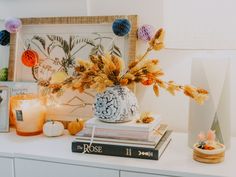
34 168
132 174
6 167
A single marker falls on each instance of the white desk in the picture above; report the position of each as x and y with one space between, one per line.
40 156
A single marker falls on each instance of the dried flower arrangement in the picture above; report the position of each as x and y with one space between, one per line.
102 71
208 149
208 141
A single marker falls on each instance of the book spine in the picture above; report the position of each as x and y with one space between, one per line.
115 150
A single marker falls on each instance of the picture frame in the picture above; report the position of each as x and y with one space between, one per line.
71 105
19 88
4 108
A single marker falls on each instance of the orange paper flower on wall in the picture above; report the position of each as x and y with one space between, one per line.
30 58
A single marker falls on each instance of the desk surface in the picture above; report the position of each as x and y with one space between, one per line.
176 160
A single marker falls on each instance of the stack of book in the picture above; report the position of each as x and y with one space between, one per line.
130 139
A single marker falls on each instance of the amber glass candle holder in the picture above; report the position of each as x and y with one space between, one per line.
29 114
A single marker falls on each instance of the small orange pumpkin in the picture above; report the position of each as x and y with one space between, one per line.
75 127
30 58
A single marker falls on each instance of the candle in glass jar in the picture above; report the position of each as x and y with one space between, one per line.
29 113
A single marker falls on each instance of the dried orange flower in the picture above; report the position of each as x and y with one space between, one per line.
211 136
133 63
172 87
201 98
156 89
199 95
161 83
157 42
145 118
189 91
201 136
124 82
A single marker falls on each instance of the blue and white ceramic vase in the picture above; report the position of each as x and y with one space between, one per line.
116 104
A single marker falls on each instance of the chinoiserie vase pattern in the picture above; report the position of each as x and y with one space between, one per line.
116 104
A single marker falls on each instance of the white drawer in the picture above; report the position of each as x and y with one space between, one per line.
132 174
6 167
34 168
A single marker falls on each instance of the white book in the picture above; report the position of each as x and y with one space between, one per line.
124 135
131 125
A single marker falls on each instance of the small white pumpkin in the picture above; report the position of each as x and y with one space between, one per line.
53 129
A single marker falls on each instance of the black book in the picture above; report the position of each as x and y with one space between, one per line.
81 146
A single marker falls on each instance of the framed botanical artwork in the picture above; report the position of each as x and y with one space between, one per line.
59 42
4 108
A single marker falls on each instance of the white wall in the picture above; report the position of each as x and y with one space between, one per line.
201 24
176 63
42 8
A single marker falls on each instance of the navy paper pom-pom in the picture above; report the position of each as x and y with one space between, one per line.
4 37
121 27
